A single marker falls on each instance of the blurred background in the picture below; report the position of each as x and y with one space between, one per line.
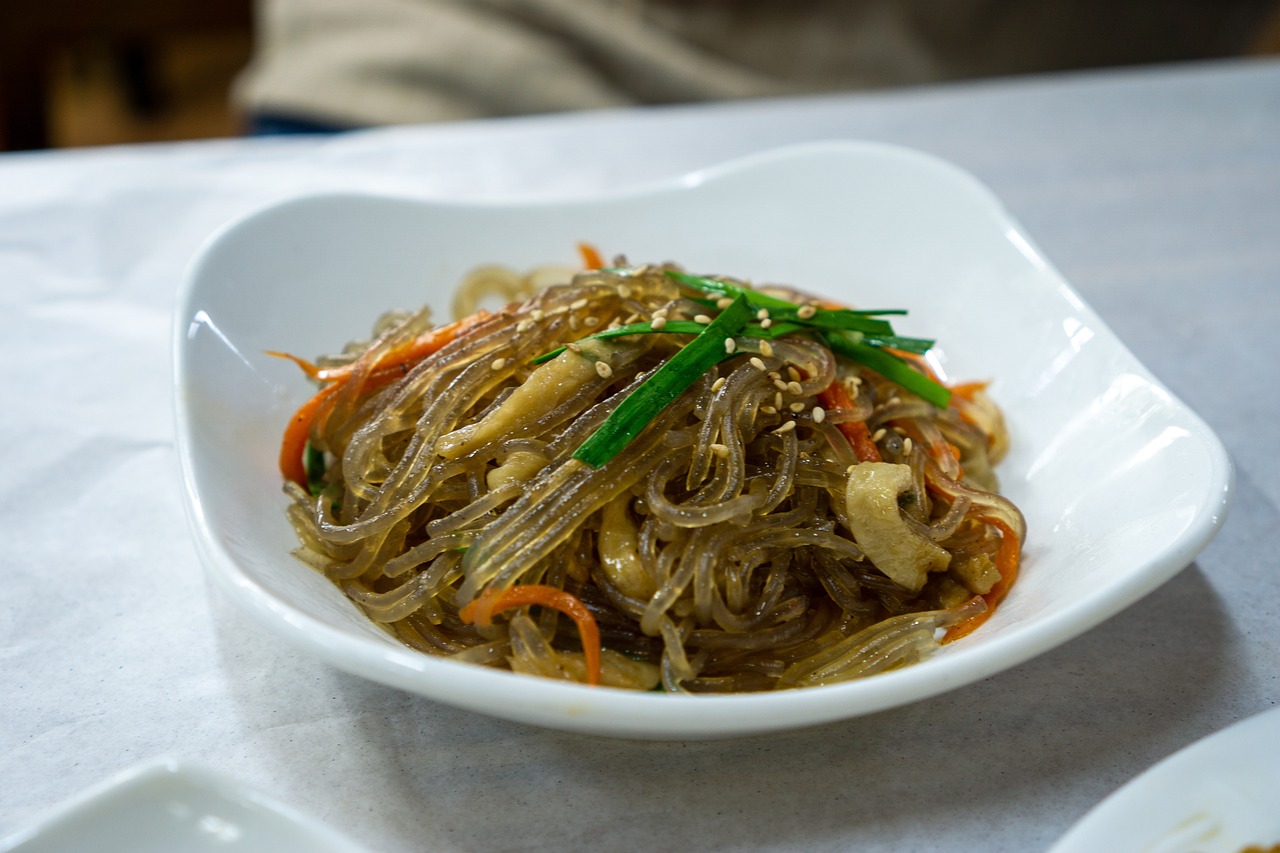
101 72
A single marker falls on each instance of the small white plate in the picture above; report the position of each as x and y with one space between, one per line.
1219 795
174 807
1121 484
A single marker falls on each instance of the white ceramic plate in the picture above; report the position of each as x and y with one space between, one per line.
1121 484
175 807
1219 795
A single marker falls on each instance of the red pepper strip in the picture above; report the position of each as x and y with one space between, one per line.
1007 564
482 610
591 259
835 397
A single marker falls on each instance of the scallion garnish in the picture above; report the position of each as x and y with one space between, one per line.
859 335
670 380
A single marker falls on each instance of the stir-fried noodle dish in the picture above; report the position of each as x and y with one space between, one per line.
644 478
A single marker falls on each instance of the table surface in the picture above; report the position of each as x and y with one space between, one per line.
1156 192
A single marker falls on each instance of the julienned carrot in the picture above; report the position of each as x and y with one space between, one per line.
835 397
391 366
968 389
482 610
296 433
590 257
1007 564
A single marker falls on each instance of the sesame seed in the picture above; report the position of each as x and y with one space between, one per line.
498 363
658 323
524 325
577 304
780 385
795 374
879 434
762 314
768 410
786 427
591 320
806 311
766 323
730 345
718 384
893 401
573 322
536 314
702 319
615 324
906 445
604 369
777 399
849 470
797 407
624 291
766 349
819 414
661 312
775 375
757 363
724 302
721 450
795 387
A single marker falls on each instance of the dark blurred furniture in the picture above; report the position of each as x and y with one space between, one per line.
32 32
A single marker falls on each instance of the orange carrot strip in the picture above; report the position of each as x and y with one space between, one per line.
968 389
296 433
835 397
294 442
482 610
1007 559
591 259
412 352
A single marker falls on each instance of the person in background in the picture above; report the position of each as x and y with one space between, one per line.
333 64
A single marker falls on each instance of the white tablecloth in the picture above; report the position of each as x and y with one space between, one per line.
1156 192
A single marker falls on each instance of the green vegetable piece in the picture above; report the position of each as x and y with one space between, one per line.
662 388
889 366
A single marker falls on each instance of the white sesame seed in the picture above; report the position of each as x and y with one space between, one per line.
775 375
721 450
878 434
766 323
768 410
658 323
591 321
624 291
724 302
797 407
795 374
730 345
780 385
762 314
819 414
795 387
577 304
893 401
661 312
777 399
786 427
604 369
702 319
806 311
906 445
766 349
631 318
573 322
498 363
718 384
537 314
524 325
757 363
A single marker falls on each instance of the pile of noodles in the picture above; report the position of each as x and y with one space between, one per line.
728 547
